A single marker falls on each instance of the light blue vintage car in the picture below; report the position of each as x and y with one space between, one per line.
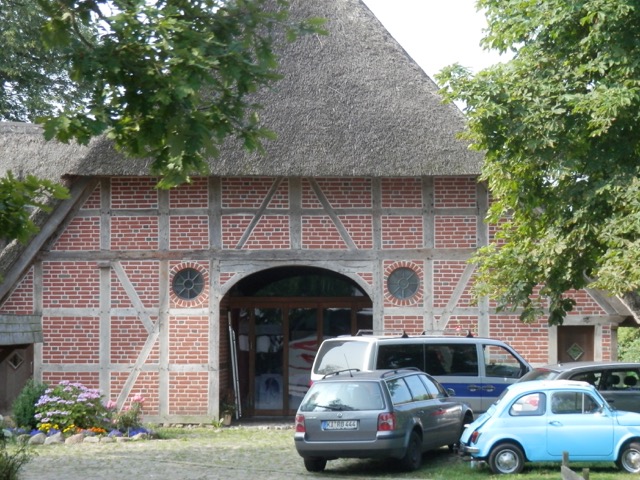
537 421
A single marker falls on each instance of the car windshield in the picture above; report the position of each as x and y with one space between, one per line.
339 396
336 356
540 374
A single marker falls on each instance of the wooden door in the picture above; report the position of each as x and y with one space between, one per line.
575 343
16 367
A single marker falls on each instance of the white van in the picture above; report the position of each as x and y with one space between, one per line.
477 369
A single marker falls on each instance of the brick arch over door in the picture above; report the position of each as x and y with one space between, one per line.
279 317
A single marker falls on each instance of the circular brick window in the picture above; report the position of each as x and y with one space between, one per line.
188 283
403 283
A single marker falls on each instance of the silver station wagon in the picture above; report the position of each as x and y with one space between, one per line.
395 414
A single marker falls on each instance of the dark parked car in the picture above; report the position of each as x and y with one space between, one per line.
380 414
617 382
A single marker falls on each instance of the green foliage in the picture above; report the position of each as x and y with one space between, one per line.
170 79
129 418
33 77
559 126
18 198
12 458
24 406
629 344
69 406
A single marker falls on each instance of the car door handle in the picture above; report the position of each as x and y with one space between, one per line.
488 388
555 423
474 388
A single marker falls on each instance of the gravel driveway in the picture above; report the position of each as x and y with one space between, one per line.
244 452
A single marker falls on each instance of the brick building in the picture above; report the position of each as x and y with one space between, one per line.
362 214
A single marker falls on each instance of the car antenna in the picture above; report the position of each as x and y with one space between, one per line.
348 366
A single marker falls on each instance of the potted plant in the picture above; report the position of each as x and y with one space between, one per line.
227 406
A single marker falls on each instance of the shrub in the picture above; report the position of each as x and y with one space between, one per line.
129 418
24 407
70 406
11 459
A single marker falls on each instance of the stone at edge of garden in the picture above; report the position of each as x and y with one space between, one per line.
139 436
122 439
91 439
74 439
107 440
55 438
38 439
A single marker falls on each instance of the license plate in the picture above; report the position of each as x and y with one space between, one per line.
340 425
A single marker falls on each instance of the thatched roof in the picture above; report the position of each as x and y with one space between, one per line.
351 103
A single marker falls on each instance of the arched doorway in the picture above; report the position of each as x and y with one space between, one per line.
280 316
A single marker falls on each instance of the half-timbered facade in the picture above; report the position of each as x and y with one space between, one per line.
363 214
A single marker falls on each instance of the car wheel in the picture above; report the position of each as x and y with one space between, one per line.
315 464
629 459
506 458
413 456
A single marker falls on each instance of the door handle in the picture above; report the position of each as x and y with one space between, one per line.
474 388
555 423
488 388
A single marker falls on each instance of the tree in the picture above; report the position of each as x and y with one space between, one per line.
170 79
33 78
166 79
559 124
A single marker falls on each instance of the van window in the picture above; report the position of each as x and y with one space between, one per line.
335 356
500 362
400 355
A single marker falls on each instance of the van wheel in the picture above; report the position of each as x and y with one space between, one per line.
413 456
506 458
629 459
315 464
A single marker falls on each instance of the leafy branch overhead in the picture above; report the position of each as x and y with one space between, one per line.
559 125
169 79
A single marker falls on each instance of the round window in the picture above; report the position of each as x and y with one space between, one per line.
403 283
188 283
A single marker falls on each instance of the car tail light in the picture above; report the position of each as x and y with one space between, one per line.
386 422
299 426
474 437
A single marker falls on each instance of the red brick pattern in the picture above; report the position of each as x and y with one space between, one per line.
309 197
456 231
134 233
190 195
529 340
360 229
455 192
70 285
233 227
82 233
245 192
401 193
145 278
71 339
585 304
411 324
346 192
93 202
189 232
271 232
128 337
133 193
367 277
402 232
188 393
88 379
281 197
147 385
20 302
446 275
189 339
319 232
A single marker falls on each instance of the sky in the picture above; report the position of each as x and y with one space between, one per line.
436 33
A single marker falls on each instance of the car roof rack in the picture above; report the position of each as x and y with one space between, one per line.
400 370
366 331
338 372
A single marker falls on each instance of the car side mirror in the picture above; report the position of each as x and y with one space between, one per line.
451 392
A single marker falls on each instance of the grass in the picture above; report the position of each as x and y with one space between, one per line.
260 453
